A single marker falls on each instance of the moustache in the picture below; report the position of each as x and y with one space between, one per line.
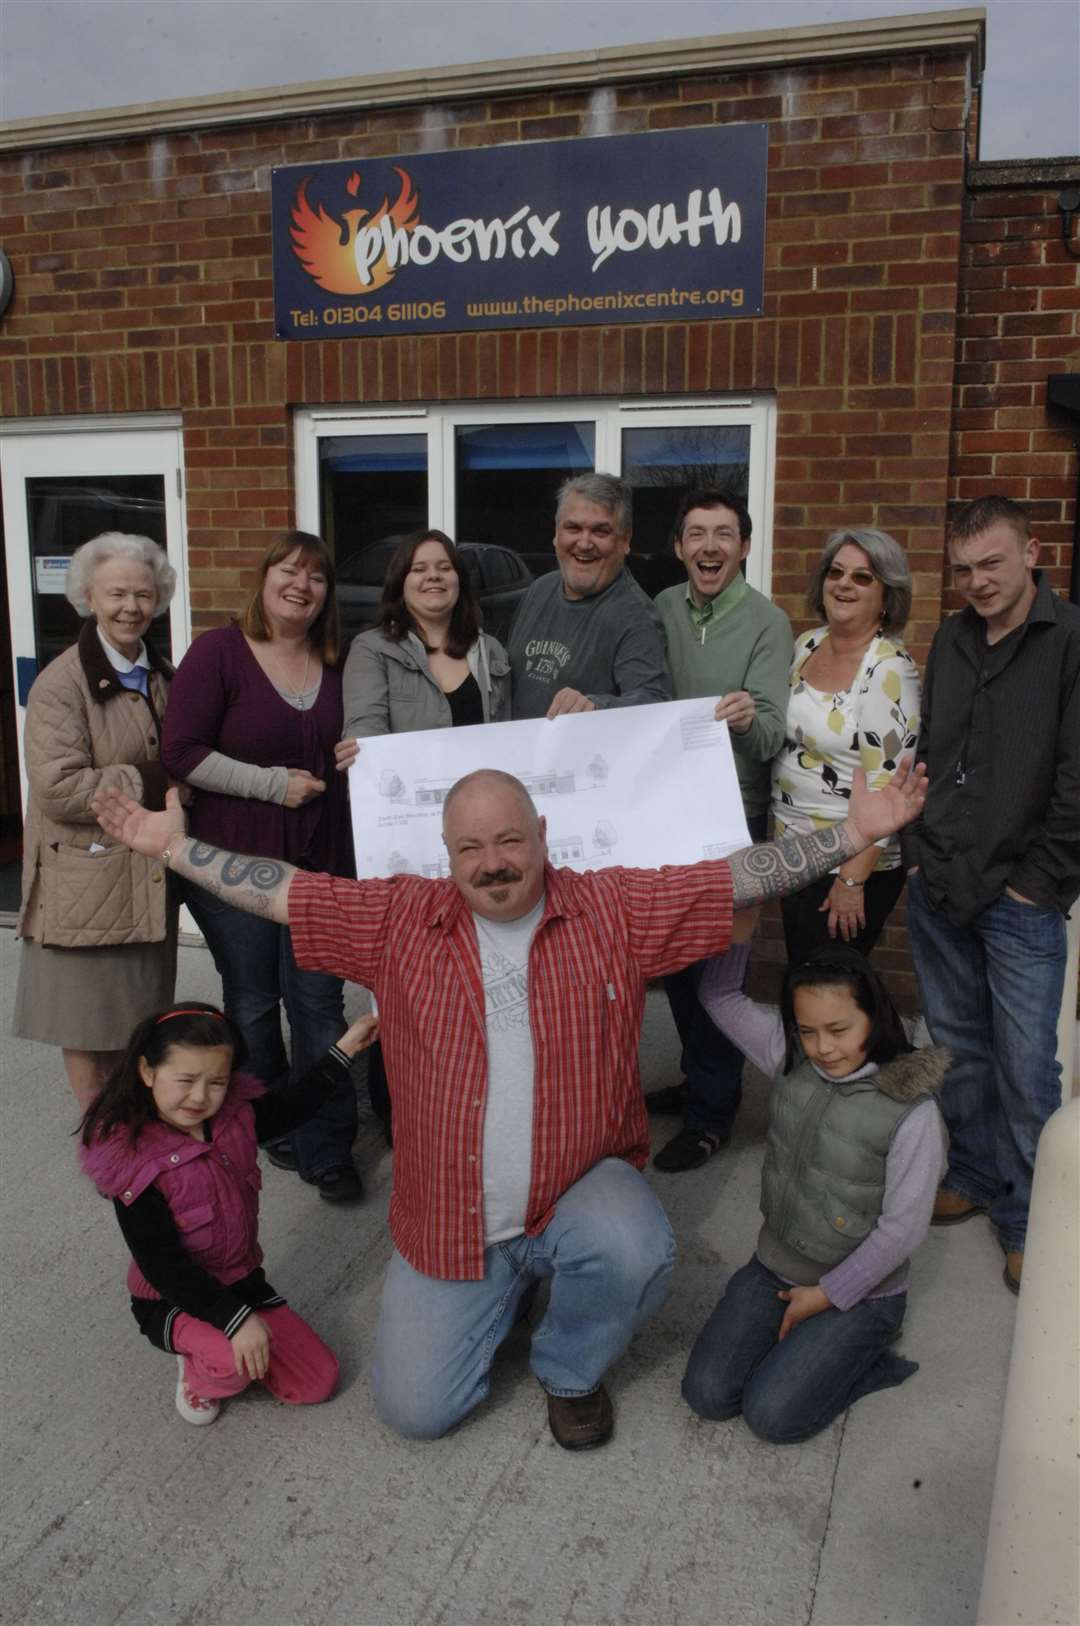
497 877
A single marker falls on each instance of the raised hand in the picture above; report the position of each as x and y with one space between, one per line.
776 868
874 814
138 828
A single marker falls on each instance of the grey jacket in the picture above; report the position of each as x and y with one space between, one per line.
388 688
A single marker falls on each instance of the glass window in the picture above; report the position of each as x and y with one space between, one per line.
370 487
488 474
63 513
662 464
506 478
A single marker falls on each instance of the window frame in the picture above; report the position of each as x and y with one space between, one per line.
439 421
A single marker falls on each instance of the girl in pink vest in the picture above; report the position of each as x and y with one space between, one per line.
173 1139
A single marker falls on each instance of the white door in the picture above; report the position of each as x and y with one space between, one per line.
63 485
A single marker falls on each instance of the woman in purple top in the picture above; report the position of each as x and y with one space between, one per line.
255 714
855 1150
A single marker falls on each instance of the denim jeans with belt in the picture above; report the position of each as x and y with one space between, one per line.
259 973
991 992
788 1392
608 1252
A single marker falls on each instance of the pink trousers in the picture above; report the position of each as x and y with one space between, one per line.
302 1371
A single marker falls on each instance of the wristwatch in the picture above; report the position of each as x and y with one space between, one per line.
845 880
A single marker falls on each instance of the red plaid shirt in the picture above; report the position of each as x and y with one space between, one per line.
601 937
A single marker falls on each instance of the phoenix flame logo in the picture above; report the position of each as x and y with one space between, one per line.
326 247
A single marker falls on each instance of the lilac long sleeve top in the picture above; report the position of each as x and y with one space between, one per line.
914 1165
222 700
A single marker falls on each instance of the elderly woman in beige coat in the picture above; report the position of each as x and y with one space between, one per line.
98 923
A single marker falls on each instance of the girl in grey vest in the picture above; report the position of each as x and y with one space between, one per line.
855 1151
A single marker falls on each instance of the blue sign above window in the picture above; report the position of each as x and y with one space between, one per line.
668 226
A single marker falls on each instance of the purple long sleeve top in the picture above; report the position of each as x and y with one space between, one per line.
913 1167
222 700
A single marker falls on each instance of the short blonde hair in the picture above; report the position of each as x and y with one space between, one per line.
118 545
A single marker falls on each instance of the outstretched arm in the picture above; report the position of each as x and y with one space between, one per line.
260 886
776 868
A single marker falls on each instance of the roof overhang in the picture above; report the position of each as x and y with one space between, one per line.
936 31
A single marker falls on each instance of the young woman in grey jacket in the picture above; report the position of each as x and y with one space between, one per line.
425 663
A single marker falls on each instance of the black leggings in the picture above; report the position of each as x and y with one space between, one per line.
806 928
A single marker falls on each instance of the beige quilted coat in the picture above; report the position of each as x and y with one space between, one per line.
85 732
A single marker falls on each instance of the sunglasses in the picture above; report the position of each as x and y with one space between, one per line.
861 578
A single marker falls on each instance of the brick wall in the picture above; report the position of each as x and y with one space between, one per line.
1019 322
144 282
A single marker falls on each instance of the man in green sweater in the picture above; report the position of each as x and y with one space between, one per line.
723 638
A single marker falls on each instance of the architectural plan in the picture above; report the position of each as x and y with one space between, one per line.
638 786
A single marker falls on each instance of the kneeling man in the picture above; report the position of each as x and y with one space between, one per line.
511 999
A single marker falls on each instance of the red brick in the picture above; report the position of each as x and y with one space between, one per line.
546 129
850 276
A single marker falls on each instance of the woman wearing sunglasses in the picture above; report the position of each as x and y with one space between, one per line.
854 702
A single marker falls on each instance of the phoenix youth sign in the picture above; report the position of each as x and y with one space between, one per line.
644 228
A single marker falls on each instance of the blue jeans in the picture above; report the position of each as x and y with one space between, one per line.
991 992
790 1391
258 971
608 1252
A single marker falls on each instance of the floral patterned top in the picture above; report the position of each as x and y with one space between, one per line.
828 736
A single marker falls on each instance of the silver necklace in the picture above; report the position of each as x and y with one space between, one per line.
295 697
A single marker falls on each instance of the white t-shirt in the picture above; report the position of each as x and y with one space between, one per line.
508 1119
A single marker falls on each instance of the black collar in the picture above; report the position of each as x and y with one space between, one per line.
101 675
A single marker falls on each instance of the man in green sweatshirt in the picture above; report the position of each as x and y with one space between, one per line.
723 638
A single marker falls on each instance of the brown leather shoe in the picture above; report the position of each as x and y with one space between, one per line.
1014 1269
952 1209
581 1422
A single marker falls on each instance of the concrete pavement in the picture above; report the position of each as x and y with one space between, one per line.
116 1513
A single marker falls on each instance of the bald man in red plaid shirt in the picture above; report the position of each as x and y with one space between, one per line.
511 999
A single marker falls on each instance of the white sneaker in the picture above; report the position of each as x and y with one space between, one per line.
193 1408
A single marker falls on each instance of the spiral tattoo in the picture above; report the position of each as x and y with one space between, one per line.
775 868
263 873
200 854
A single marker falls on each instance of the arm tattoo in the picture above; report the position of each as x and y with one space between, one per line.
776 868
259 886
263 873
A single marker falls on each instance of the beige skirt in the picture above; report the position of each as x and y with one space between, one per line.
91 998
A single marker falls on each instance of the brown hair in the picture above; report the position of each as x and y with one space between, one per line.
324 634
394 619
978 516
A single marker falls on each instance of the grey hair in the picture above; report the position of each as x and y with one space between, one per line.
119 545
606 491
494 777
889 563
